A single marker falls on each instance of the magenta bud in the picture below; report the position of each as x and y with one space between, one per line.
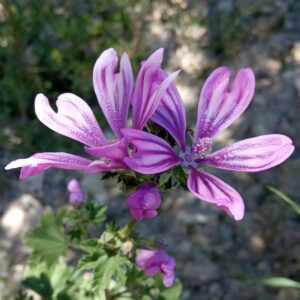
144 202
155 261
77 196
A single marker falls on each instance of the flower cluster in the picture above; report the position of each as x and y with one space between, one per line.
144 202
153 96
157 261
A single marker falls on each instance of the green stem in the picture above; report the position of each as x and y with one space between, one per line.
124 232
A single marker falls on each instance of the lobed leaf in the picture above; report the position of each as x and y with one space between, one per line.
48 240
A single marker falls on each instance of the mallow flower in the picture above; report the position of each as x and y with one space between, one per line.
76 194
220 104
144 202
157 261
115 90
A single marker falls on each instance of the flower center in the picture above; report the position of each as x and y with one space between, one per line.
188 157
200 148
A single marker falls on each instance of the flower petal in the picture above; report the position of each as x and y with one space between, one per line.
143 258
137 214
211 189
252 155
39 162
150 214
147 93
219 104
144 202
76 193
153 154
117 150
73 119
170 112
100 165
113 90
168 274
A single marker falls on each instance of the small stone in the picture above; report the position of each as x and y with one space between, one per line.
21 215
257 243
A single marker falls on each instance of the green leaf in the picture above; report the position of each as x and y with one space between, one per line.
109 268
109 174
60 275
88 262
288 200
179 178
41 285
122 265
47 241
91 246
103 273
96 212
164 178
279 282
172 293
61 280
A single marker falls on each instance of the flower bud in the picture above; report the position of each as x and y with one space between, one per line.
155 261
77 196
144 202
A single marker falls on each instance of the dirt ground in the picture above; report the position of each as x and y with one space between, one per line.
216 256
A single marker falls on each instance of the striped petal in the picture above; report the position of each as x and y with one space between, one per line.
252 155
221 104
213 190
73 119
152 154
116 151
147 93
100 165
39 162
170 113
113 89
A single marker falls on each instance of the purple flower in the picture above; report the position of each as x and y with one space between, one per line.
144 202
74 118
155 261
219 106
77 196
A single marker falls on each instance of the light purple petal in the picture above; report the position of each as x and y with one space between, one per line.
252 155
153 154
133 200
117 150
154 261
153 270
211 189
143 202
73 119
74 186
113 89
137 214
221 104
170 113
100 165
143 258
144 88
76 194
168 274
152 201
150 214
147 94
39 162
